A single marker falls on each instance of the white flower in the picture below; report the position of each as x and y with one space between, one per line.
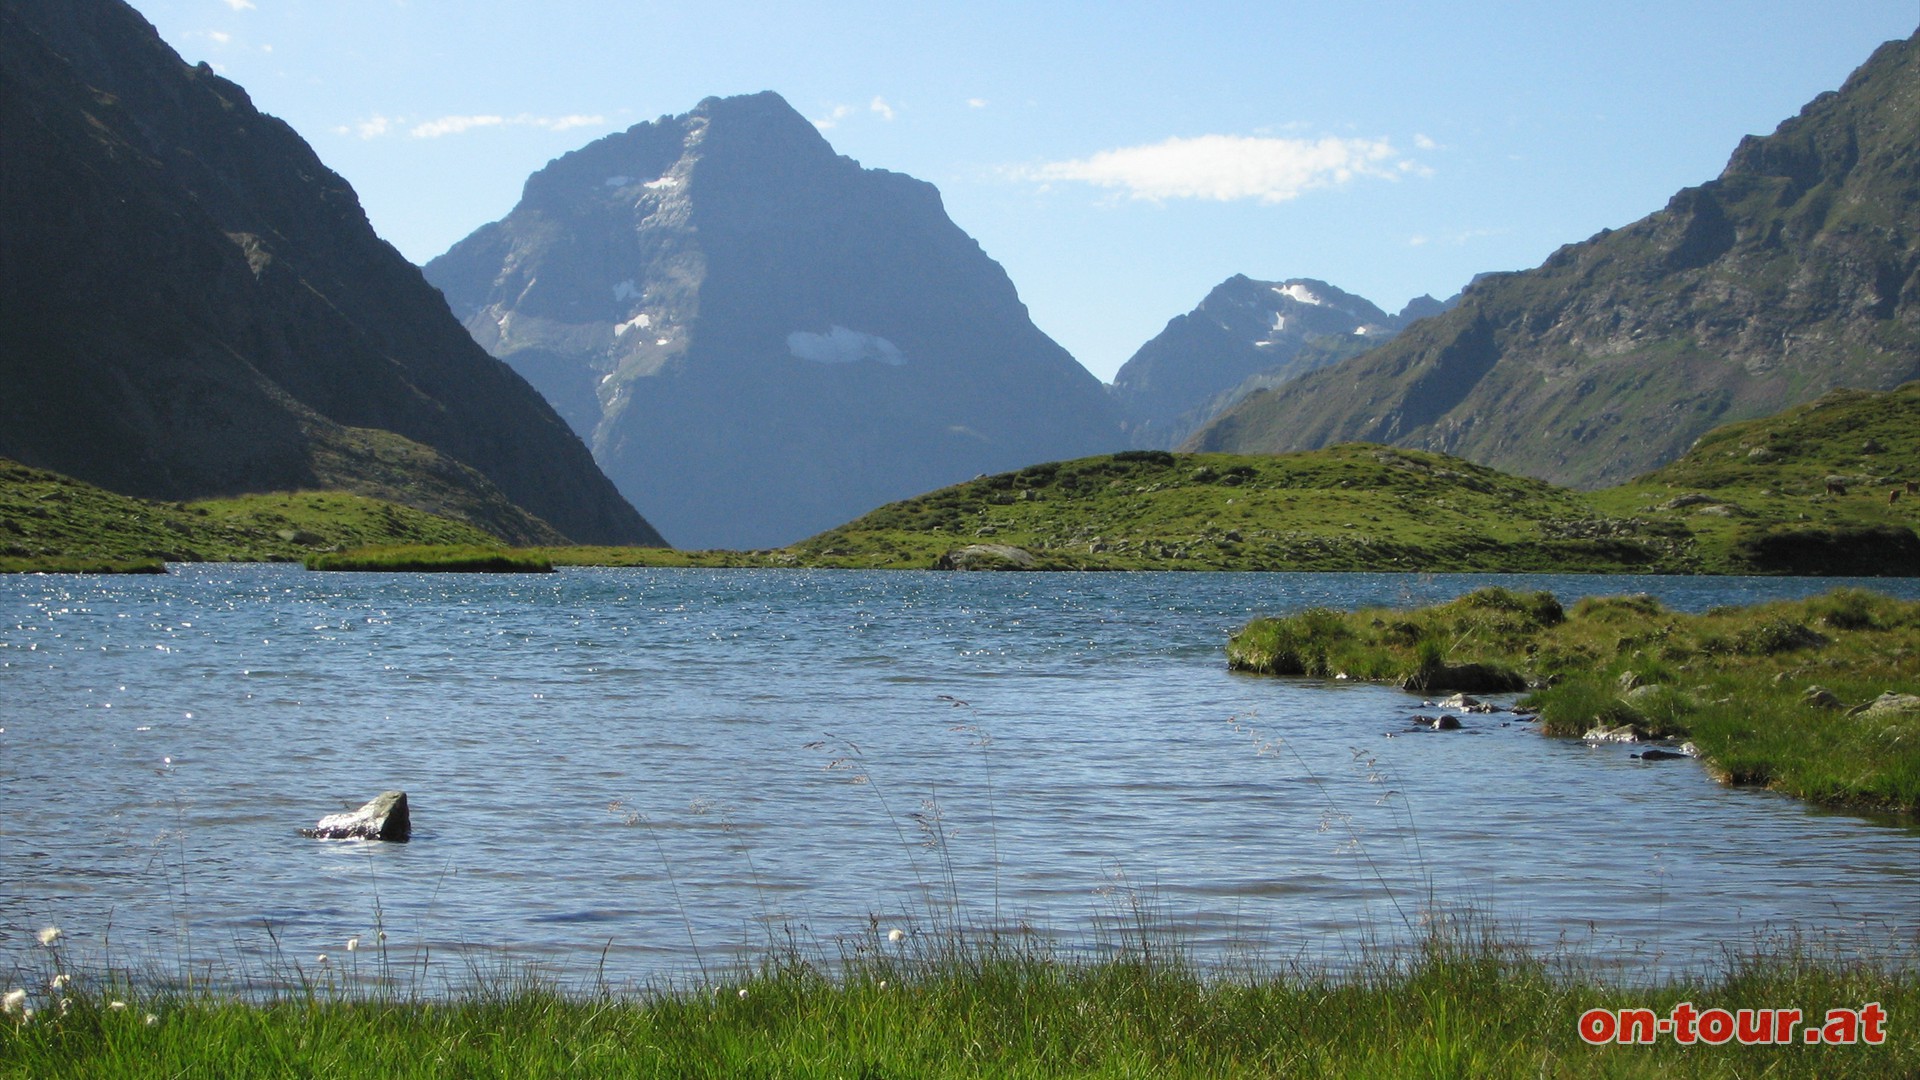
896 935
66 1006
743 993
49 936
13 1002
116 1006
152 1019
321 959
353 944
59 981
883 984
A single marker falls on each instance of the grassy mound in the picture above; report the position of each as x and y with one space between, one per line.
53 522
1819 489
1818 698
1355 507
433 559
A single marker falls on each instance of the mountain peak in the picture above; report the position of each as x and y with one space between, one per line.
759 338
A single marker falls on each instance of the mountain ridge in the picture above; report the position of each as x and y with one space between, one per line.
1792 273
208 312
1243 336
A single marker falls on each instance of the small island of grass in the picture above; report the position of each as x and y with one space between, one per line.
1818 698
425 558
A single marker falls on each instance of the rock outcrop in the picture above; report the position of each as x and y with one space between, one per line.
196 306
759 338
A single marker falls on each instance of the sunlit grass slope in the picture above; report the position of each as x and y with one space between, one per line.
53 522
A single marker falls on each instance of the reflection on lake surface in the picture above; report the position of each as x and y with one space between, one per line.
629 767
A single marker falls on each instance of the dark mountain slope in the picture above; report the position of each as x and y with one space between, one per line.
1794 273
195 305
759 338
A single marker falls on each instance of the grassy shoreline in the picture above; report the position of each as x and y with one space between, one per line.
1453 1006
1817 698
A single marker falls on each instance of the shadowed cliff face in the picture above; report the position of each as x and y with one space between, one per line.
1245 336
1793 273
759 338
196 306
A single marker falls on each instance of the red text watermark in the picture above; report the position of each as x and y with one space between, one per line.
1749 1027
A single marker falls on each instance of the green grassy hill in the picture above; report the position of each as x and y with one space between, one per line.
1354 507
1755 494
1747 498
49 521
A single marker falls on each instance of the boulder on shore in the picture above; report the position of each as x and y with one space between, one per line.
384 818
986 557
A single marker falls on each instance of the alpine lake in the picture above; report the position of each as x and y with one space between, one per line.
623 777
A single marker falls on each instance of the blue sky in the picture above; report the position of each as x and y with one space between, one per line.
1118 159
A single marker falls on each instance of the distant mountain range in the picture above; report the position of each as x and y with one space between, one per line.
759 338
1796 272
196 306
1245 336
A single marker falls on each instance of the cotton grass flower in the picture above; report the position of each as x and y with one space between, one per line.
152 1019
49 936
743 993
322 960
13 1002
896 935
117 1006
353 943
59 981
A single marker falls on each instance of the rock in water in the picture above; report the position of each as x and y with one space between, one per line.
385 818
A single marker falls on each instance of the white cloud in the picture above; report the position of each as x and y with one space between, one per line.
832 119
881 107
976 103
371 128
1227 167
1423 142
240 5
455 125
219 37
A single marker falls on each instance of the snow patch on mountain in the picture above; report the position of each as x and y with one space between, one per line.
840 345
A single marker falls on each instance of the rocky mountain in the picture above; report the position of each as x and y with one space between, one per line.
196 306
760 338
1795 272
1245 336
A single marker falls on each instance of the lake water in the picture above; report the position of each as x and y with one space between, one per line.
630 774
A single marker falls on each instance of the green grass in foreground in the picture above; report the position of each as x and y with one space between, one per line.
1464 1009
468 559
1787 695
